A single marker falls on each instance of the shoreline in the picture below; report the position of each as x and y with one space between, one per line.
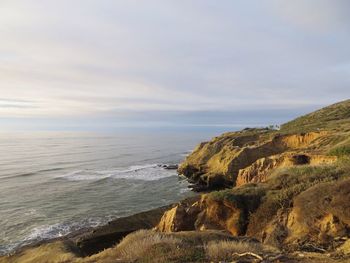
91 240
85 233
290 190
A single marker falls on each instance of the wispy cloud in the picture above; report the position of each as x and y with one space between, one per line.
95 58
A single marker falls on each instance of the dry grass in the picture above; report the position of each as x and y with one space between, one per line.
135 245
144 246
224 250
140 246
51 252
332 117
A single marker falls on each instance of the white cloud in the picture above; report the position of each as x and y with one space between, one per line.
94 57
318 16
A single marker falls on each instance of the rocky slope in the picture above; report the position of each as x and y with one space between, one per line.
249 156
284 197
291 187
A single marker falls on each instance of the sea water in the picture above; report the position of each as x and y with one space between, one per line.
54 183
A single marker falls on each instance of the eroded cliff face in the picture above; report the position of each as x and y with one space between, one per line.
288 188
207 212
322 212
298 178
301 210
262 168
249 156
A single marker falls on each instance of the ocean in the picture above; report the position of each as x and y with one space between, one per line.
53 183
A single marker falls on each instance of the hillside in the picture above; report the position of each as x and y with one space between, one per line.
249 155
334 117
270 196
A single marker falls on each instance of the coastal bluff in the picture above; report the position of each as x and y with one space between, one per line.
250 155
263 195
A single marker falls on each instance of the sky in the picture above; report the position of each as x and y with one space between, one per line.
107 64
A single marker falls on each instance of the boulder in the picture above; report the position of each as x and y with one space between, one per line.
89 242
210 212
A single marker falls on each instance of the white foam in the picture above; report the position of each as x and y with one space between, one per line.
148 172
187 153
45 232
32 212
81 175
60 229
184 190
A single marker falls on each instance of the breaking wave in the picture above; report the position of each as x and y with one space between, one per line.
148 172
47 232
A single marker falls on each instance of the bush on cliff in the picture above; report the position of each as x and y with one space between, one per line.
246 199
286 184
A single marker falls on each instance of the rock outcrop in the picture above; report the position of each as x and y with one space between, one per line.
88 242
288 188
235 158
220 162
214 211
292 169
181 217
259 170
321 213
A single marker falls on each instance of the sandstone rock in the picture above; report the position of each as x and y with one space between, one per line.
345 247
181 217
208 213
92 241
299 141
220 215
321 213
218 162
200 213
262 168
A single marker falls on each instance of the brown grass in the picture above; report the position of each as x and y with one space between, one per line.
224 250
51 252
135 245
332 117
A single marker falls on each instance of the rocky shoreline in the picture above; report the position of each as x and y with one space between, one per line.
89 241
266 196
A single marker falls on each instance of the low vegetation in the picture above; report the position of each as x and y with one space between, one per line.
149 246
333 117
138 244
285 184
226 250
247 196
340 151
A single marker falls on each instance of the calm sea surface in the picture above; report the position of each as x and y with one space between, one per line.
54 183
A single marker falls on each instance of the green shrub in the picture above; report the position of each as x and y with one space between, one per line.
247 198
340 151
285 184
306 175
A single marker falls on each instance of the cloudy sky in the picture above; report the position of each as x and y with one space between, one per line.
82 64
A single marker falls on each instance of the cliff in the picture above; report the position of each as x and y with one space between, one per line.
250 155
271 196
